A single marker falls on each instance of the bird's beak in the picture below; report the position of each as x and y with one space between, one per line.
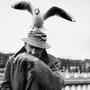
36 13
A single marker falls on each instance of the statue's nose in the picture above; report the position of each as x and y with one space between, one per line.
33 51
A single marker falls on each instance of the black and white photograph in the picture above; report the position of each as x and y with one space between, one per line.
44 45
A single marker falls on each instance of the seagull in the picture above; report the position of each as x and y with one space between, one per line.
38 18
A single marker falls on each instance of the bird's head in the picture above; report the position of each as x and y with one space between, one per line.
37 11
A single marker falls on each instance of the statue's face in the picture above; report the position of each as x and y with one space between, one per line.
37 11
34 51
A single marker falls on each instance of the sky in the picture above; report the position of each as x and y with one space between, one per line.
67 39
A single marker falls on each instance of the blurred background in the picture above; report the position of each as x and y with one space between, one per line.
70 41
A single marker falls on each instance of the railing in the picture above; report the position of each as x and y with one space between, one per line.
77 87
77 81
77 84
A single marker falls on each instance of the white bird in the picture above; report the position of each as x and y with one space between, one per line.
38 18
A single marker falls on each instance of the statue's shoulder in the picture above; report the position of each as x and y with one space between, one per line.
11 59
52 59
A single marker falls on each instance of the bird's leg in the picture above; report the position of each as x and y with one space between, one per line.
33 27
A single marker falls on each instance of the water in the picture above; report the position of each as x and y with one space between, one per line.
79 87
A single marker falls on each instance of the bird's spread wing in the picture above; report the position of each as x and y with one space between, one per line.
23 5
59 12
